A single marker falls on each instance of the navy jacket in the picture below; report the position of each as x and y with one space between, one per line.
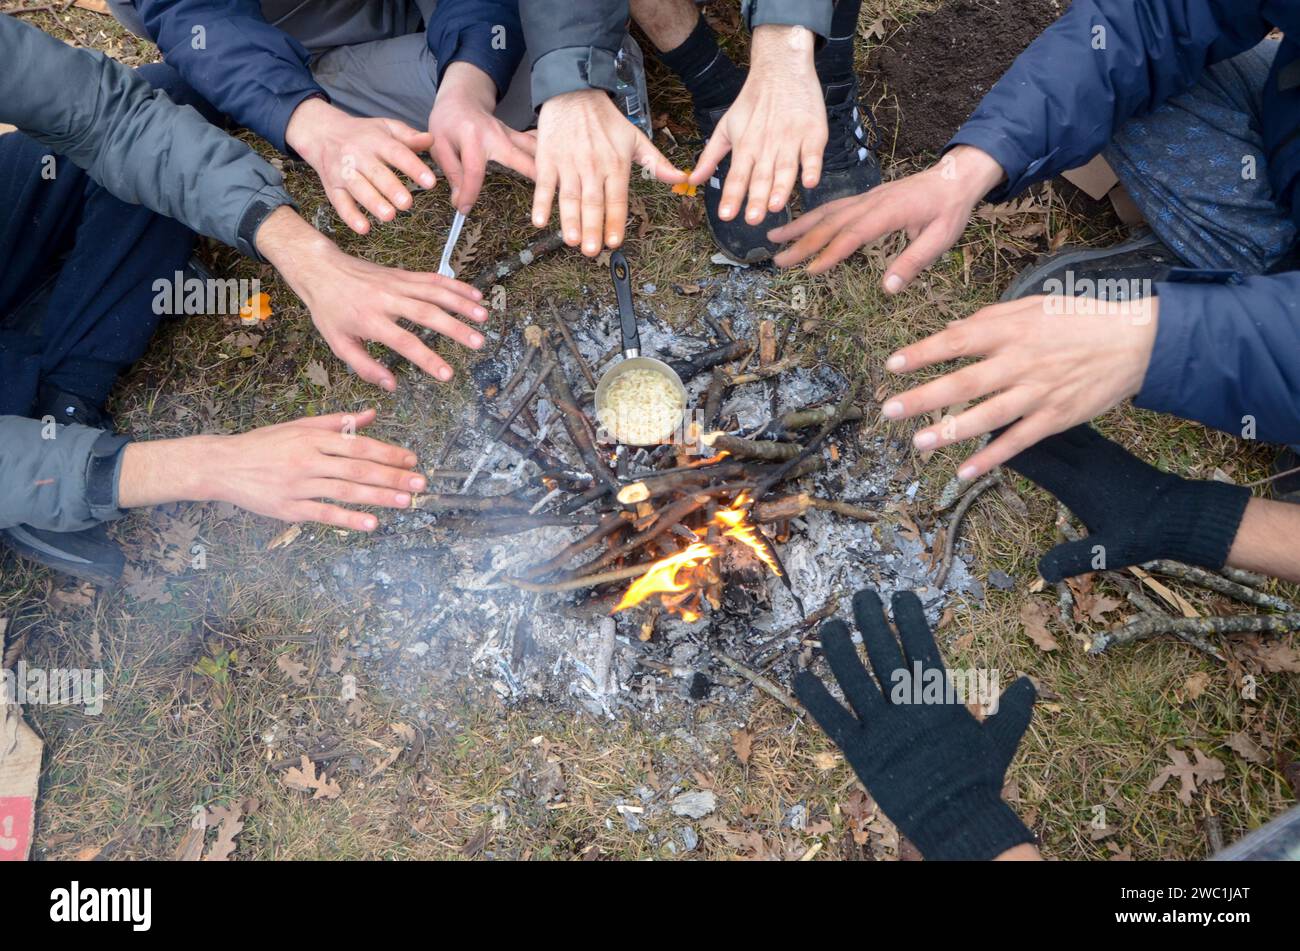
1226 355
258 75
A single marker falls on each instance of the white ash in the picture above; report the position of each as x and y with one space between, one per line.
433 614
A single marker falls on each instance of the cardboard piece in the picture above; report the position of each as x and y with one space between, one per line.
1098 180
20 775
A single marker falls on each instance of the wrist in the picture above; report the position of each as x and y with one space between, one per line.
301 134
974 172
465 82
288 243
166 470
786 48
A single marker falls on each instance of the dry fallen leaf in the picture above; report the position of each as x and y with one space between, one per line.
1246 748
1034 615
295 671
317 373
1190 776
742 741
1196 685
285 538
305 779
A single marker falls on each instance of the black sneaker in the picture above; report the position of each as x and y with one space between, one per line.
737 239
88 554
1286 488
1125 271
69 408
849 166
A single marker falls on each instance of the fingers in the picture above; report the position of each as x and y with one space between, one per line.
760 190
335 515
449 162
520 154
474 168
649 157
444 292
860 689
834 720
543 193
337 422
968 383
914 632
351 352
413 349
715 150
882 646
347 210
413 139
961 338
810 157
976 421
800 226
388 185
373 450
592 213
735 187
360 187
571 208
1014 441
783 183
409 164
615 210
355 493
1008 724
919 254
439 321
325 464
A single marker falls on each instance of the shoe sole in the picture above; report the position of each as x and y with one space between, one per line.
31 548
1026 280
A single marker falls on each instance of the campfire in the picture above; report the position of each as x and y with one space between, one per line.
548 560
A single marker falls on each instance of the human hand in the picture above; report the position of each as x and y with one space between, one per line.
932 207
776 124
1048 363
935 770
466 134
585 148
355 159
353 301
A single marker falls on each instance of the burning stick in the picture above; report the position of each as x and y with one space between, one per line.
764 373
751 448
520 259
708 359
666 519
783 471
713 398
761 682
591 581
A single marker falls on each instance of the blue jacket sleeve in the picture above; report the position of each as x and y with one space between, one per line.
230 55
1229 356
1101 63
485 33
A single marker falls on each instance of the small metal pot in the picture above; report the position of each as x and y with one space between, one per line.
632 358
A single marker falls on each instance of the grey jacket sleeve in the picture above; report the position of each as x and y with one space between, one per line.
46 471
813 14
132 140
573 45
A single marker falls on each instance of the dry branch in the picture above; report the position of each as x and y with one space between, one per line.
1217 583
708 359
954 523
1151 626
511 263
751 448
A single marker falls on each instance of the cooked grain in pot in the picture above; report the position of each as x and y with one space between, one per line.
641 407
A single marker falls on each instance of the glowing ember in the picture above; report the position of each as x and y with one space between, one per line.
675 579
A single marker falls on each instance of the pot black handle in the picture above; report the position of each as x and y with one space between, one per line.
618 269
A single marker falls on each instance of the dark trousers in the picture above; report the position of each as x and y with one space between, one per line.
77 268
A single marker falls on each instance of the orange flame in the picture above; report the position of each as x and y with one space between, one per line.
738 527
662 576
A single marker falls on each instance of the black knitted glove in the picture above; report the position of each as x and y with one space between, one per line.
1134 512
935 770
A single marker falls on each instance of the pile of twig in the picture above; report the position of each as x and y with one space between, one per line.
638 505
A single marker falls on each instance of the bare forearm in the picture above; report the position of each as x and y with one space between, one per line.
289 243
166 470
1265 541
1021 853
